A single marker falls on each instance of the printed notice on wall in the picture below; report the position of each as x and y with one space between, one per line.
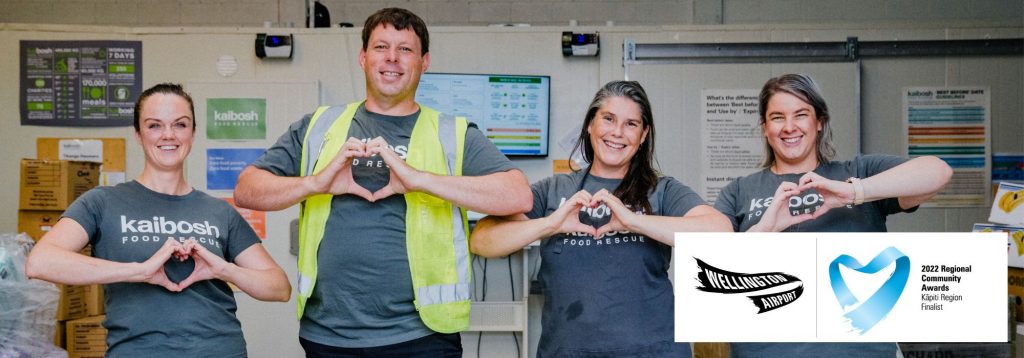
256 219
79 83
732 145
952 123
223 165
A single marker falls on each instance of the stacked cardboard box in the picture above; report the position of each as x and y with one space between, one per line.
47 188
86 337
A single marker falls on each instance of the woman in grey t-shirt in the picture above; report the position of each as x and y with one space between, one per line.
801 189
163 251
606 234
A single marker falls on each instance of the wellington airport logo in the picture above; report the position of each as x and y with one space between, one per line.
865 315
771 289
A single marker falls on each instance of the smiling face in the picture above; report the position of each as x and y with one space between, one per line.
392 62
166 131
791 129
616 132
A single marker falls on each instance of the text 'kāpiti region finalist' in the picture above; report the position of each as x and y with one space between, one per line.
841 287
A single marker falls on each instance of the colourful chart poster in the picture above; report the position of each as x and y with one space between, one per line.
952 123
236 118
512 111
79 83
223 165
256 219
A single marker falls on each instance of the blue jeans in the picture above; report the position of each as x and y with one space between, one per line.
432 346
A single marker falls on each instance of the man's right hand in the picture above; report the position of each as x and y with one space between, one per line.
336 178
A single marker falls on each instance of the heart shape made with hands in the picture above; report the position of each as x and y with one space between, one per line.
596 206
180 265
356 150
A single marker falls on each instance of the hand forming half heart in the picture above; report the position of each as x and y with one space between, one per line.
622 217
207 264
836 193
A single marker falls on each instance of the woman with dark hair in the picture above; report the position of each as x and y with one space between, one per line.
801 189
607 235
163 251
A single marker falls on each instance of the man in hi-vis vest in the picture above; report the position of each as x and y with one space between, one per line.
384 264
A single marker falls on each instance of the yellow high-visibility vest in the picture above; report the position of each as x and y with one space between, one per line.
435 230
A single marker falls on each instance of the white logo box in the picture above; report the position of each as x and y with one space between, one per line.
975 309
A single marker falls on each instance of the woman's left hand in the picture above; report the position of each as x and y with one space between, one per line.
208 265
622 218
835 193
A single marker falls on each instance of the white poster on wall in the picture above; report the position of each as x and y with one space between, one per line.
732 144
952 123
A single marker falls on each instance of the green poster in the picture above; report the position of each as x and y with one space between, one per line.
236 118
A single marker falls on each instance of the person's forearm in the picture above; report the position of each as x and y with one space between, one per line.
663 228
502 194
57 265
913 182
501 236
269 284
262 190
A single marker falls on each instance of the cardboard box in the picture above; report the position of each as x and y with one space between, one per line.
109 151
59 335
53 185
1015 283
86 336
37 223
79 301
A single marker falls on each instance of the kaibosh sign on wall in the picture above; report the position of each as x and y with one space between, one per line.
236 118
840 287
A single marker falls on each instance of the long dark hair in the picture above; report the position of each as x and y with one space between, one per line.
803 87
641 178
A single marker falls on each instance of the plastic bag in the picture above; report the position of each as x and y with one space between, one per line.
28 308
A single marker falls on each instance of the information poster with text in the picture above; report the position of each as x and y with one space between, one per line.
79 83
952 123
732 141
512 111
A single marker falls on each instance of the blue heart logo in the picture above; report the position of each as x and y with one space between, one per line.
875 308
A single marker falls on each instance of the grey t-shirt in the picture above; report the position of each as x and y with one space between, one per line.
607 297
128 223
363 293
745 199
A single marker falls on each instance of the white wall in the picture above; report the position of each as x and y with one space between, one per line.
328 56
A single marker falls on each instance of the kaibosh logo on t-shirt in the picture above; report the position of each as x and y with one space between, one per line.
713 279
160 225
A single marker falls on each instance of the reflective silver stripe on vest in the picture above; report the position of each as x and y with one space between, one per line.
436 294
315 138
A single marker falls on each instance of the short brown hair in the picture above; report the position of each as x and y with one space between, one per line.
400 19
